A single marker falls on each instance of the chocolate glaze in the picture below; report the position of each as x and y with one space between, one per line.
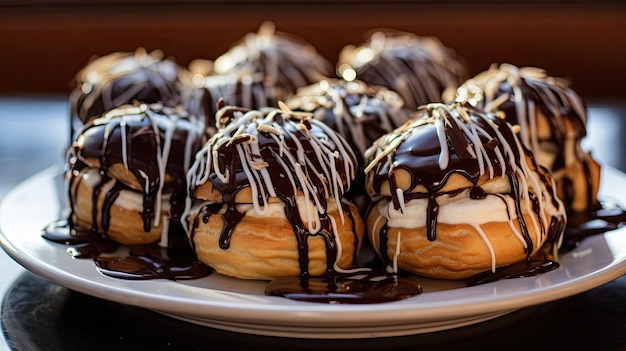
359 113
154 143
121 78
421 69
439 143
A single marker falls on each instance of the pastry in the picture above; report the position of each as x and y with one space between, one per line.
246 90
552 120
266 197
456 194
284 61
121 78
359 113
127 172
421 69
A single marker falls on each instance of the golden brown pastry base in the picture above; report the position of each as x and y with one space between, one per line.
125 225
582 187
458 252
266 247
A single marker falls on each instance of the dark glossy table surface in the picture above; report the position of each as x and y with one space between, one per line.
39 315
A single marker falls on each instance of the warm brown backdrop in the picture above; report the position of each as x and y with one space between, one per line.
44 43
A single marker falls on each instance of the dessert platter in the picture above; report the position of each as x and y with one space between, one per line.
259 192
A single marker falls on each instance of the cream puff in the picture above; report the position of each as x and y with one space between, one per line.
283 62
121 78
359 113
127 169
419 68
552 120
266 197
455 194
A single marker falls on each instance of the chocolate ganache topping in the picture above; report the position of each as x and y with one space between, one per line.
269 155
139 150
418 160
421 69
552 120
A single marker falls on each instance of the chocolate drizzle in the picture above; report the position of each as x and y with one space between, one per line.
141 262
447 140
359 113
268 65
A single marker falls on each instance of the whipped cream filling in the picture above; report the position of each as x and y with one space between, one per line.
128 199
453 209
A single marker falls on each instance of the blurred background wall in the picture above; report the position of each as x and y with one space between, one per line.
43 43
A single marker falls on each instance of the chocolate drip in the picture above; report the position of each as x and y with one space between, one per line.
109 199
517 270
230 218
345 289
142 262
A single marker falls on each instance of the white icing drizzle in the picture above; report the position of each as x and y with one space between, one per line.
352 103
281 61
322 149
492 254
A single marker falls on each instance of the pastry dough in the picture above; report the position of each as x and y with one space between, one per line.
266 247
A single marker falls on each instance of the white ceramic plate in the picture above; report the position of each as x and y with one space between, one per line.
238 305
